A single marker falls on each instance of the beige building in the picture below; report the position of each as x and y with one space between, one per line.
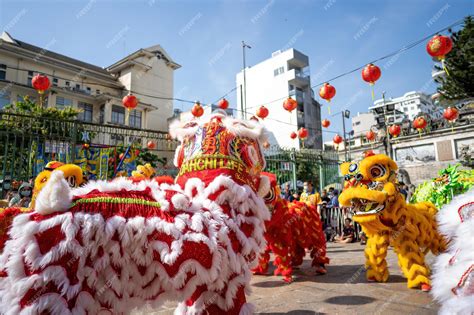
98 92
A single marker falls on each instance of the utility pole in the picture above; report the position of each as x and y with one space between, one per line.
344 135
243 107
388 147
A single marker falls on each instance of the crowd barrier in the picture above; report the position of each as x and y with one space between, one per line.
334 219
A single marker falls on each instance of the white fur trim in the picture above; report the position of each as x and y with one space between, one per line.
117 256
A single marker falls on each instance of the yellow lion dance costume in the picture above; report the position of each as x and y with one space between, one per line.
371 189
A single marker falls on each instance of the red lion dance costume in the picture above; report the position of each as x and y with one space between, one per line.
117 246
294 227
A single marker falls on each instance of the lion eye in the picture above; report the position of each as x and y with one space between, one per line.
377 171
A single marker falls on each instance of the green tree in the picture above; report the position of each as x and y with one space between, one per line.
459 84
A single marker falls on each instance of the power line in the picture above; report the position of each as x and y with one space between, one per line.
397 52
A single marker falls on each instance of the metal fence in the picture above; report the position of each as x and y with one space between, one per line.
27 143
290 165
333 221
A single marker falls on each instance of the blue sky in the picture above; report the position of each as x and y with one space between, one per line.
205 36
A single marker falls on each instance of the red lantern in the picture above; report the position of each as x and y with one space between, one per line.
85 146
370 135
290 104
40 83
327 92
303 133
371 73
326 123
197 110
262 112
451 114
439 46
337 139
368 153
137 152
293 135
223 104
130 102
419 123
151 145
394 130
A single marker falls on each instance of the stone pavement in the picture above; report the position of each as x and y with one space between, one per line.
343 290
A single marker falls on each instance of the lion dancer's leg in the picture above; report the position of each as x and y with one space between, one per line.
282 251
318 252
375 254
262 267
211 302
412 262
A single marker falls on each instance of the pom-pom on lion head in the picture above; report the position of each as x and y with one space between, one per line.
220 145
369 184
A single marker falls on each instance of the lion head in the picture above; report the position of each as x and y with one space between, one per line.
370 186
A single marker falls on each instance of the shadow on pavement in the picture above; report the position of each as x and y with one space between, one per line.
270 284
350 300
294 312
350 274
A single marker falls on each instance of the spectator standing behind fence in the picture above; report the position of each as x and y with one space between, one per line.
348 233
334 203
309 195
287 193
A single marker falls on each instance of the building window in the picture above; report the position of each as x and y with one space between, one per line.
102 114
3 72
62 102
55 81
116 139
118 115
4 98
97 92
68 84
278 71
78 87
357 123
87 111
30 77
135 119
88 90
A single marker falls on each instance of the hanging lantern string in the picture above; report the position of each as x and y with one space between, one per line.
399 51
394 53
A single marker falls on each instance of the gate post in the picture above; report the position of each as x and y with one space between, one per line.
73 142
293 163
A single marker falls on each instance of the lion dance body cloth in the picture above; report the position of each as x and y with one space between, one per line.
121 245
371 189
294 227
453 272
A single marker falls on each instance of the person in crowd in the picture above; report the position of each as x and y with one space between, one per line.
309 195
23 197
296 196
348 233
334 203
324 197
287 193
403 190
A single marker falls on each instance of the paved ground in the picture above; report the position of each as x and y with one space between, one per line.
343 290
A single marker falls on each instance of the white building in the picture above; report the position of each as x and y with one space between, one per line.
411 104
98 92
269 83
362 123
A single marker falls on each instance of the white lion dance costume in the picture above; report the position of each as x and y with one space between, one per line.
119 245
453 276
